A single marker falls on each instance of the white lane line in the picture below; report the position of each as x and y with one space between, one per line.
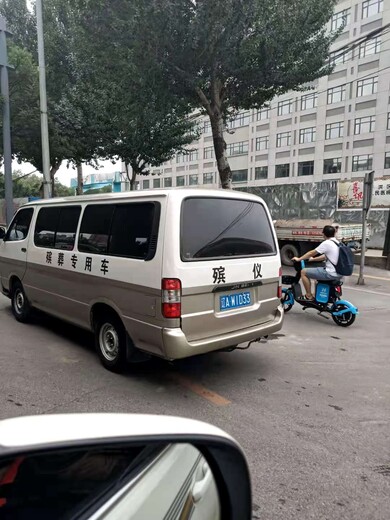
363 290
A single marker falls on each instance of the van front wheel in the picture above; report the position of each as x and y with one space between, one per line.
110 341
21 308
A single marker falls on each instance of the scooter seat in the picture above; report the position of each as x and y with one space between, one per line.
332 283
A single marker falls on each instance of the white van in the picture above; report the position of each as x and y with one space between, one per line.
172 273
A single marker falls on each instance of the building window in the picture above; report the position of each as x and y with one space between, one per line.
361 163
283 139
305 168
180 180
332 165
282 170
368 86
262 143
388 121
241 120
371 7
309 101
284 107
206 127
262 114
337 57
340 19
334 130
208 153
208 178
146 184
387 160
168 182
239 176
156 183
193 179
370 47
238 148
336 94
193 155
363 125
261 173
307 135
180 158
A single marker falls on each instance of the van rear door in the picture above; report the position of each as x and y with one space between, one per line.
229 265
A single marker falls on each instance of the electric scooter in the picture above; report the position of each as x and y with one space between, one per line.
328 298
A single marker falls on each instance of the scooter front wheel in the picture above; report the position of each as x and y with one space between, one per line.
343 320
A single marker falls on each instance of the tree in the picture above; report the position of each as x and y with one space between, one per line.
30 185
70 135
227 55
140 121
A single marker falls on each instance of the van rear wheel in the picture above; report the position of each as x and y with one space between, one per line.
110 342
21 307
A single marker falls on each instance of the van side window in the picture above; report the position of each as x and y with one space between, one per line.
95 228
131 230
45 227
56 227
67 227
18 229
126 230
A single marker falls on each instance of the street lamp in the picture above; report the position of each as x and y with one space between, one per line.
43 103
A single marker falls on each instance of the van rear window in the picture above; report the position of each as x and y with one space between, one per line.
219 228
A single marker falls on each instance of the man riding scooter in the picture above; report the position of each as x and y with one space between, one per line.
329 252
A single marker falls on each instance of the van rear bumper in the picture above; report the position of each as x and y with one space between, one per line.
176 345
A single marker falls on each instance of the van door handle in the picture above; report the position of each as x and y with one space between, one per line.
24 250
202 486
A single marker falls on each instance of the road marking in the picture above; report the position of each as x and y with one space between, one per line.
373 277
200 390
363 290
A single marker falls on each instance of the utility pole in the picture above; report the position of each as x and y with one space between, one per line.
367 198
9 199
43 104
80 181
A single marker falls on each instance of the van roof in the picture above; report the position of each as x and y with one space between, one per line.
180 193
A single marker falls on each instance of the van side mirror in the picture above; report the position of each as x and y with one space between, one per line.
116 466
2 232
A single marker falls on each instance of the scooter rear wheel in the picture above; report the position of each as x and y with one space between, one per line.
343 320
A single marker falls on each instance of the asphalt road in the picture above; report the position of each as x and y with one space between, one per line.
311 407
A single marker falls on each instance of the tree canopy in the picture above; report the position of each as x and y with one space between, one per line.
227 55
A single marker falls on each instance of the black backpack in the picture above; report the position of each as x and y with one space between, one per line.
345 262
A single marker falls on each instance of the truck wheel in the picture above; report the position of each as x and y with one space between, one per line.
21 308
287 253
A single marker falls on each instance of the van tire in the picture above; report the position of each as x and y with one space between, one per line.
21 308
287 252
110 342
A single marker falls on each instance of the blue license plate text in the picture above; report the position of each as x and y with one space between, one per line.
234 301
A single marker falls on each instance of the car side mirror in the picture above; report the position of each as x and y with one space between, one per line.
2 232
115 466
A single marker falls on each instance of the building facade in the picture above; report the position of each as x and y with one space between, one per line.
339 130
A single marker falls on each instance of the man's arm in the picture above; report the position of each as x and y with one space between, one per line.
306 256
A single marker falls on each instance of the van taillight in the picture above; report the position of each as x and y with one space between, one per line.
171 298
280 284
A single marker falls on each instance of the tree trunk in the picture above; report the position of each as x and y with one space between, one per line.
80 182
213 109
53 170
133 178
217 127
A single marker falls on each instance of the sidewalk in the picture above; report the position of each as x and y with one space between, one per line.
373 258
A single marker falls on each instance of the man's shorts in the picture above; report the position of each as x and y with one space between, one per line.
320 273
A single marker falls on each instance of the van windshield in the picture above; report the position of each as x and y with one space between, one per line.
217 228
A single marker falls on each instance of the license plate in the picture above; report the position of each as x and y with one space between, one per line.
235 301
